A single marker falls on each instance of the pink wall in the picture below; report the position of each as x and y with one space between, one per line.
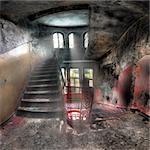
141 88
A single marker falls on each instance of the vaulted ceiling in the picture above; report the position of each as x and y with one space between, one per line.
16 10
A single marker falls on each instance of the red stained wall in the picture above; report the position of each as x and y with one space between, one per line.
141 88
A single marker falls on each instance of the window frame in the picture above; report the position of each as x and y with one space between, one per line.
58 40
84 39
73 42
89 79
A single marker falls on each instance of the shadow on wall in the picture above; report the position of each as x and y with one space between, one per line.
124 87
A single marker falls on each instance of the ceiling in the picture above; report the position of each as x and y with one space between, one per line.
15 10
66 18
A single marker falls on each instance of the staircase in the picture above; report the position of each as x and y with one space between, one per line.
42 97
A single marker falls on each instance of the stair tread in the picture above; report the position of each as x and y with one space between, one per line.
45 70
43 85
38 100
39 80
39 109
44 75
50 70
46 64
41 92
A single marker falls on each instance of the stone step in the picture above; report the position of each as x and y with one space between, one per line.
41 92
36 88
40 112
51 63
43 81
42 85
44 69
44 76
40 100
40 109
52 95
44 73
53 104
46 66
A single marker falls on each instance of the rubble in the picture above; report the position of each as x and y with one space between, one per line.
127 133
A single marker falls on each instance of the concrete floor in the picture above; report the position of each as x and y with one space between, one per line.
128 132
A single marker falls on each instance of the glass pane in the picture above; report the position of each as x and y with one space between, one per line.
86 40
72 82
77 82
71 40
90 83
74 73
61 41
88 73
55 40
77 90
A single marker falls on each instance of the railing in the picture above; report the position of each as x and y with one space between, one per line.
79 99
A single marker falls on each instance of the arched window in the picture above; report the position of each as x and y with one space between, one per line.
85 40
58 40
71 40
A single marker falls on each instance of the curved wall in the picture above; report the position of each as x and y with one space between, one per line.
15 66
142 85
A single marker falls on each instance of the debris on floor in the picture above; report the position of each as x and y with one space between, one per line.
127 133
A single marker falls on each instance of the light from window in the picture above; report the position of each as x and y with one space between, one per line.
71 40
58 40
86 39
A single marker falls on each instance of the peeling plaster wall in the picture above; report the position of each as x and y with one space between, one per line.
117 79
123 83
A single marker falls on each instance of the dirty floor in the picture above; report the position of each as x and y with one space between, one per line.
128 132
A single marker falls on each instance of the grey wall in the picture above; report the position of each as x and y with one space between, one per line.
11 36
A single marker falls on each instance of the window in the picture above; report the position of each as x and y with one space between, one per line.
74 77
75 80
85 40
71 40
58 40
88 77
